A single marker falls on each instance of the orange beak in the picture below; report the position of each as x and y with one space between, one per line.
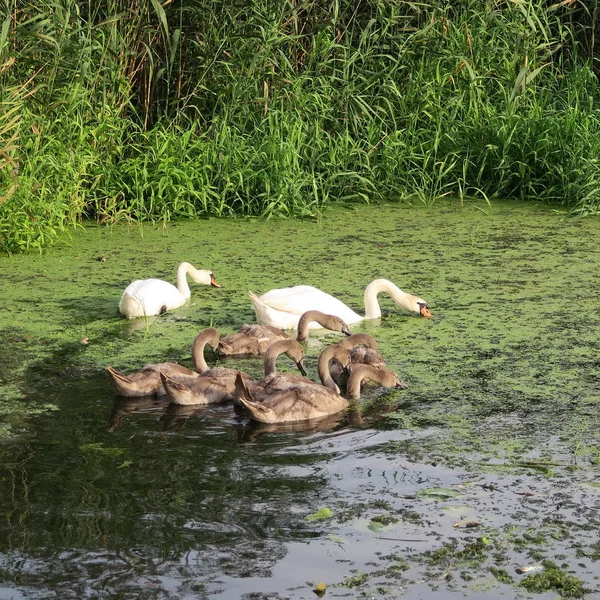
426 312
213 281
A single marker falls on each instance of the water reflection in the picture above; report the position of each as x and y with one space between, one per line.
123 408
173 417
178 503
202 492
251 431
112 499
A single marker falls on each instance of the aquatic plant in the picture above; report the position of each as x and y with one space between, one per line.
157 111
556 579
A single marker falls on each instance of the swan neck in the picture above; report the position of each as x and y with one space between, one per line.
359 339
270 363
289 347
307 318
330 353
198 359
353 387
274 351
372 309
182 282
360 373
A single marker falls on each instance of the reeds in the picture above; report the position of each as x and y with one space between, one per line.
164 110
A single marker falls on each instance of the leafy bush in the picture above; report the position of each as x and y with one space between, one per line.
146 110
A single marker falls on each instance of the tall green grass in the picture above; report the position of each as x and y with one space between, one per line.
163 110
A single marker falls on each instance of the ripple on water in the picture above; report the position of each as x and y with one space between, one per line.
135 500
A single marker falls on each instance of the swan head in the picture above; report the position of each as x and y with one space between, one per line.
423 308
400 383
389 379
204 277
344 329
302 368
291 348
334 323
361 372
296 352
210 336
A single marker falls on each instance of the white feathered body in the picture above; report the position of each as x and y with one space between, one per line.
147 297
283 307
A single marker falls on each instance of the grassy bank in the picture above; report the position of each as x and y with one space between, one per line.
142 110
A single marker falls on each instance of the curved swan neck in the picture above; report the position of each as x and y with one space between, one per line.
182 283
333 352
361 373
207 336
305 320
327 321
372 310
289 347
271 362
359 339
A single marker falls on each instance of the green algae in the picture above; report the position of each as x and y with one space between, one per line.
503 380
501 575
512 291
320 515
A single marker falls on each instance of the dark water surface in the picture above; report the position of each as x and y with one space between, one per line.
487 462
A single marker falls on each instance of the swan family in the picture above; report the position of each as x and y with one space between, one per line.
278 397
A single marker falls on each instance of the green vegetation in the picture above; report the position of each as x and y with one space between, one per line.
320 515
505 377
123 111
501 575
554 578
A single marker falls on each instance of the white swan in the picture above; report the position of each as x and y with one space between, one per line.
148 297
282 308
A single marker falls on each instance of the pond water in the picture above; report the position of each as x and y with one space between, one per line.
487 462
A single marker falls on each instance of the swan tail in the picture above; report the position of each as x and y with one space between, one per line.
263 312
130 306
117 376
243 397
257 303
167 380
241 393
173 389
124 386
257 411
266 315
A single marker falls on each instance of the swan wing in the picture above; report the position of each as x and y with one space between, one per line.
252 339
303 401
300 298
265 315
147 297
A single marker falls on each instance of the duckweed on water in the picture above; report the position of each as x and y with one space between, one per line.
501 408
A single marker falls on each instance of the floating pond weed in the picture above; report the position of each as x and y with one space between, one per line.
500 408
